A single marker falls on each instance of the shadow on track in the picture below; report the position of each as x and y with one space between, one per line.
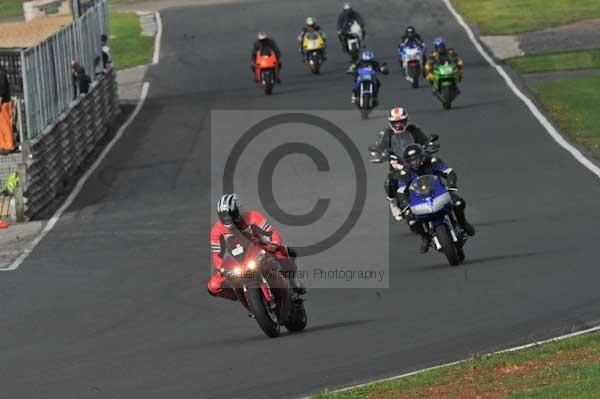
323 327
471 262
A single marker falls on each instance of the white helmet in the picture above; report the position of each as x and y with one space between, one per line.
229 210
261 36
398 119
347 6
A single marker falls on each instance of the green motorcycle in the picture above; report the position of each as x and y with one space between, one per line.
445 83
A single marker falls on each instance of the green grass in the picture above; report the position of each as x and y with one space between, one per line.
503 17
562 61
573 104
129 48
14 8
565 369
11 8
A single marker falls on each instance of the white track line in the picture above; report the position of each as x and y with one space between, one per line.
557 137
54 219
159 29
516 348
534 110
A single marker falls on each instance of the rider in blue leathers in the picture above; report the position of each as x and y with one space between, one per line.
417 163
367 60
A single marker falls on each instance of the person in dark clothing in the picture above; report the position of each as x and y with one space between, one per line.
5 95
81 81
417 163
390 146
311 26
264 41
410 34
367 60
409 39
107 61
348 15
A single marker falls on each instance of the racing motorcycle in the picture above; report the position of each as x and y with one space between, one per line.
313 45
353 36
430 202
445 83
266 69
257 281
412 63
365 82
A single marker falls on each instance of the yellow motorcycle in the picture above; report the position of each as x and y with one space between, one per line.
313 45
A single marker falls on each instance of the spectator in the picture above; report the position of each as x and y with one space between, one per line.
74 72
7 139
81 81
98 70
107 61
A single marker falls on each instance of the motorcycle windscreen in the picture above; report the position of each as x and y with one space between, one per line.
428 195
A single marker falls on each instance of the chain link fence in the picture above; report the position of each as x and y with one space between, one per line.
46 68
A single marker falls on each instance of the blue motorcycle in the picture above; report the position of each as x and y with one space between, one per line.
430 202
366 86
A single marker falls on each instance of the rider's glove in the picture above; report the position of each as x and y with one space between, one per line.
271 247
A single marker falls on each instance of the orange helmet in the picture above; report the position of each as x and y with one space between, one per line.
398 119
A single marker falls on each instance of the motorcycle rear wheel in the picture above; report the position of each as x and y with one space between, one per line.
298 319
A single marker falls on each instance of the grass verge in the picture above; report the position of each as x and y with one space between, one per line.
552 62
14 8
564 369
573 104
11 8
129 48
503 17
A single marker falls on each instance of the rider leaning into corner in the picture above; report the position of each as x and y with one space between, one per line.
311 26
442 54
348 14
263 41
367 59
257 229
393 140
417 163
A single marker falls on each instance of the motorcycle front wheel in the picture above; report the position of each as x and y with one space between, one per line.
448 247
266 319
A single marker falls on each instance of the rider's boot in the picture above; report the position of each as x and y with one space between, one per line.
297 286
417 228
462 221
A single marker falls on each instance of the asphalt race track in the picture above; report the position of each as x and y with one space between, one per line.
113 302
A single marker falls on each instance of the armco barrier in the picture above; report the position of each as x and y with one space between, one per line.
55 156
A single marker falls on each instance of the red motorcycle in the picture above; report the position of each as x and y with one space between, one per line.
255 276
266 70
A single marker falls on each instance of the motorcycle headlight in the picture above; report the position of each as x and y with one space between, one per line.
251 264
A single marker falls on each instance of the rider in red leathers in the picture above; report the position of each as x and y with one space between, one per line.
256 227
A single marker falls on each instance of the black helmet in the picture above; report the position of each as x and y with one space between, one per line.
410 32
413 156
229 210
